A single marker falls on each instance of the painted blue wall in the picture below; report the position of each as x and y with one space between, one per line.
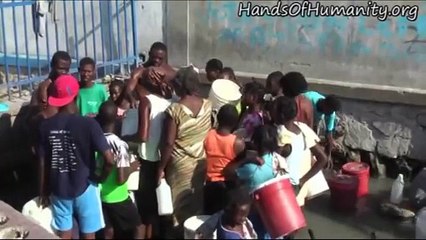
353 49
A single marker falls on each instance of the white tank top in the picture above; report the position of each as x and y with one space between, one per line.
149 150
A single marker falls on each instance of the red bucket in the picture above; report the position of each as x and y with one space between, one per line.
343 191
278 208
362 172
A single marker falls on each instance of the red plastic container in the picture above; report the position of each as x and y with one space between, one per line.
343 191
278 208
360 170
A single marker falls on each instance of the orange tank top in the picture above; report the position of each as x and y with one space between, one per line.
219 152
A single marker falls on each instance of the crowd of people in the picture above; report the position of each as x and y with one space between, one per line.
212 160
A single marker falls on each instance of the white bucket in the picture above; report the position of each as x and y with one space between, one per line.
223 92
192 224
317 185
43 217
133 181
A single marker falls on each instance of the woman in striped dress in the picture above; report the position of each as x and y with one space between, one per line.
182 156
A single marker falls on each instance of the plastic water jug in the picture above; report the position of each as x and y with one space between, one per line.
421 224
42 216
164 199
397 190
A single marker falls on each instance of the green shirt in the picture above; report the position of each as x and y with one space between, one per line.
90 99
111 191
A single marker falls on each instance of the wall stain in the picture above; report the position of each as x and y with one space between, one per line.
342 37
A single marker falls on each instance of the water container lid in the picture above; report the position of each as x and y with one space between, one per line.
226 89
355 167
4 107
344 179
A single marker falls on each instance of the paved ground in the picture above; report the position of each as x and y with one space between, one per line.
327 223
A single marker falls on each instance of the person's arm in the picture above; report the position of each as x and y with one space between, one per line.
169 137
108 157
100 144
144 123
131 85
330 124
239 146
321 157
42 174
34 101
230 171
309 111
124 165
79 104
43 182
40 95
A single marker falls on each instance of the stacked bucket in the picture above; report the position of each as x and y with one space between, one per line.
346 188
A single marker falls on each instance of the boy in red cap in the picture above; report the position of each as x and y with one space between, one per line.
67 148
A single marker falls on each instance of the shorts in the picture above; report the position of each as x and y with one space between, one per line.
87 208
122 215
146 196
214 197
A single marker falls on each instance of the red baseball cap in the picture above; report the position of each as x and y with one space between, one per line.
65 89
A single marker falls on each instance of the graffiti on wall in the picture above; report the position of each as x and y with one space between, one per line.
348 37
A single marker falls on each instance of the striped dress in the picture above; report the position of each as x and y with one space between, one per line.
187 170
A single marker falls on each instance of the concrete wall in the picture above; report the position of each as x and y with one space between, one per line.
87 39
344 49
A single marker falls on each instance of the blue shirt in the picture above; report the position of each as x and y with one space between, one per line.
330 120
254 175
68 143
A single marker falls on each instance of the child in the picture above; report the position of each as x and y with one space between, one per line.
304 142
293 84
228 73
273 84
152 105
232 221
116 88
119 211
68 143
213 69
264 143
253 174
222 147
252 107
325 108
91 94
